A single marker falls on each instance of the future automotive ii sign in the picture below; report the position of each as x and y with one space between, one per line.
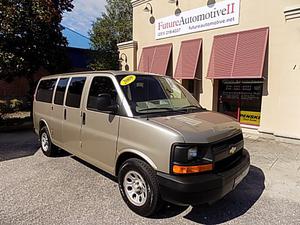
222 14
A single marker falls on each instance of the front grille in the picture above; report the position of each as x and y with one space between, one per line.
228 162
223 158
225 144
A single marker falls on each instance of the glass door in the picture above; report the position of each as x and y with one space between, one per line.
241 99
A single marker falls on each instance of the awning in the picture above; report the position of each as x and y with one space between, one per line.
146 59
238 55
188 59
155 59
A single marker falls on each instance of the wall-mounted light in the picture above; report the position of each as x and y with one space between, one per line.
149 8
211 3
174 1
123 58
177 11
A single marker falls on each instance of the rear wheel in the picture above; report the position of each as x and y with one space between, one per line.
139 187
46 145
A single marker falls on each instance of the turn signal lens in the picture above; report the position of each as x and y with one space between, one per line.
191 169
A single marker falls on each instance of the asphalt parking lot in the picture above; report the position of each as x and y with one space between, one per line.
35 189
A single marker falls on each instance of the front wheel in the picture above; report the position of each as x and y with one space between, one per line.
139 187
47 147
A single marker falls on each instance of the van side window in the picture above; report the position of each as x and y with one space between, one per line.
75 92
99 86
60 91
45 90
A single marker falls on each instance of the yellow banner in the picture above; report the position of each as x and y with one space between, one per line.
250 117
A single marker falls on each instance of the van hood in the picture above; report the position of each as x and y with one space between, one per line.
200 127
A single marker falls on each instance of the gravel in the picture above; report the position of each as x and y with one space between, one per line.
35 189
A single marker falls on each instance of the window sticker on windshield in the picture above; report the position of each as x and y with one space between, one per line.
164 102
127 80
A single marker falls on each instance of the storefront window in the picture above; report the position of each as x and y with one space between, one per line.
241 99
193 86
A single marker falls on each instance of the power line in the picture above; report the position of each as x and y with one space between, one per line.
67 28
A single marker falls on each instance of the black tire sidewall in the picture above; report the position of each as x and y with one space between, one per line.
149 176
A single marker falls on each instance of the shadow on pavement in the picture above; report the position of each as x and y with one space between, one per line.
103 173
19 144
234 204
231 206
169 210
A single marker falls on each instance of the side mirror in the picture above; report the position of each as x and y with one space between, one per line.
104 103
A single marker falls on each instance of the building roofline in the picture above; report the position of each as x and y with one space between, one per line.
136 3
127 44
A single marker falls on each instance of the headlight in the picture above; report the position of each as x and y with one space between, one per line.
184 153
190 159
192 153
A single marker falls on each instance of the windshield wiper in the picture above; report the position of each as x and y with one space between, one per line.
156 108
186 108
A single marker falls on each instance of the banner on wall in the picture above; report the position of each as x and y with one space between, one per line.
250 117
222 14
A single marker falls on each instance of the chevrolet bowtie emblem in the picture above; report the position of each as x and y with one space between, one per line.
232 150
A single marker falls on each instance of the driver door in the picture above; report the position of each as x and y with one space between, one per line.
100 129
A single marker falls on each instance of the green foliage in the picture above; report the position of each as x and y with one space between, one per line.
16 104
30 36
113 27
10 106
4 107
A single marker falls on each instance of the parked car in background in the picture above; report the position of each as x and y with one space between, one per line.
145 129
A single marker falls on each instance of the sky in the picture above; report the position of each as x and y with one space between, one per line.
79 21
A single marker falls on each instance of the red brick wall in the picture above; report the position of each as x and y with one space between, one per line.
18 87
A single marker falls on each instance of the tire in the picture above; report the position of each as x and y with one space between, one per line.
48 148
139 187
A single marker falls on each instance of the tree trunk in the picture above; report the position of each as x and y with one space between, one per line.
32 85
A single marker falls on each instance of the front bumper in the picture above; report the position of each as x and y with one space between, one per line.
203 188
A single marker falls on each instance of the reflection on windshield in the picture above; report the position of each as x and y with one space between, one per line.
152 94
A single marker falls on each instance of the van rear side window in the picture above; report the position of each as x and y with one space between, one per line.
75 92
45 90
100 85
60 91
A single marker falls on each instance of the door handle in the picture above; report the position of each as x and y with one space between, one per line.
65 114
83 118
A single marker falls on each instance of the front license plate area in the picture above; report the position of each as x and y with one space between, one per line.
238 179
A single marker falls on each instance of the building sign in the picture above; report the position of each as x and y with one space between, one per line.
249 117
222 14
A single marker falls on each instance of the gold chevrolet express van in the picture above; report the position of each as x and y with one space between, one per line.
145 129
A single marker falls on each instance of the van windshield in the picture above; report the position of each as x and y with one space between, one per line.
148 94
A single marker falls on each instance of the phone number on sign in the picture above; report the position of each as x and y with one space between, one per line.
163 33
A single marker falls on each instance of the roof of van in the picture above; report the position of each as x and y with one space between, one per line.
112 72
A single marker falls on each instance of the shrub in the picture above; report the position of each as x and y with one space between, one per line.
4 107
16 105
10 106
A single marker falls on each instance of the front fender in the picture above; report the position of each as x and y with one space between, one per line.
138 153
44 121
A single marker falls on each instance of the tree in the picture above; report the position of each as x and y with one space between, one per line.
31 37
114 26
